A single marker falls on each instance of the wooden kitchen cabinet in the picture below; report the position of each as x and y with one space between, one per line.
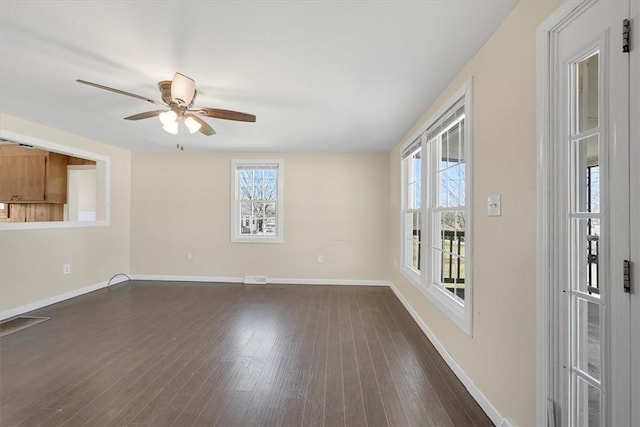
30 175
22 178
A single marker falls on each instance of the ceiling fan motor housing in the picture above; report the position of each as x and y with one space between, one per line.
165 93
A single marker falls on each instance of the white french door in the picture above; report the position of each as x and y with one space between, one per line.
592 200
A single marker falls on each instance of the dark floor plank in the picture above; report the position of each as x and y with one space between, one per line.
354 412
313 408
334 386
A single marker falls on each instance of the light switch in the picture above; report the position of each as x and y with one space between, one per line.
493 205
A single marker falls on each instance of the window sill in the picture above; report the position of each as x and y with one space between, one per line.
454 310
10 226
257 239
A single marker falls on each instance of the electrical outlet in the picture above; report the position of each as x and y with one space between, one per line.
320 259
189 255
66 269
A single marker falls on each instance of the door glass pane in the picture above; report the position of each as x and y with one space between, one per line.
585 252
588 338
587 93
586 167
588 404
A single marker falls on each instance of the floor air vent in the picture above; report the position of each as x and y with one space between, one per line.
19 323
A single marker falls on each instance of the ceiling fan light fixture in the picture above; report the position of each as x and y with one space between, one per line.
192 124
168 117
182 89
172 128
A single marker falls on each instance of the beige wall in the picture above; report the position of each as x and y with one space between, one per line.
501 357
334 205
31 260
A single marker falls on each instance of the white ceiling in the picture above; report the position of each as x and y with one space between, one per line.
319 75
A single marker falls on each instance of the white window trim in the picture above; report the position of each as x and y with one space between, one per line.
458 313
236 237
71 151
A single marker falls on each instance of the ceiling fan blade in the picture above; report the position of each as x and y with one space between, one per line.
224 114
145 115
204 126
121 92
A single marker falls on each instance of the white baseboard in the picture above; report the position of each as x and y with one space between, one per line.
58 298
167 278
337 282
484 403
270 280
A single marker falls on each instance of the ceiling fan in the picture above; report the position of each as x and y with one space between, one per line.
177 96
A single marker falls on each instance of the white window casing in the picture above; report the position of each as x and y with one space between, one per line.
257 201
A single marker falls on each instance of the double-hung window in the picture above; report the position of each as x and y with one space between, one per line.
412 208
436 218
256 209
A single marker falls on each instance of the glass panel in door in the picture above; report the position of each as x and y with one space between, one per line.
587 292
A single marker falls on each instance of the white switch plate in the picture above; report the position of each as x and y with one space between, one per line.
493 206
66 269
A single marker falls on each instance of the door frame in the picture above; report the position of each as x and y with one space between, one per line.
550 345
547 337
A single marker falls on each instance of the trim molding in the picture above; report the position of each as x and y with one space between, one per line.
168 278
338 282
475 392
57 298
270 280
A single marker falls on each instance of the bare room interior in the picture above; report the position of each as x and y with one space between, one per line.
340 213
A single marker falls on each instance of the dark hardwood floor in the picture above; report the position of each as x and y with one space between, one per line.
202 354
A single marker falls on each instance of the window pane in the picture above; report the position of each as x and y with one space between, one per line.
588 338
270 176
443 189
417 195
588 404
461 223
587 93
417 239
460 279
455 191
586 164
444 152
270 210
414 180
454 144
461 154
585 252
